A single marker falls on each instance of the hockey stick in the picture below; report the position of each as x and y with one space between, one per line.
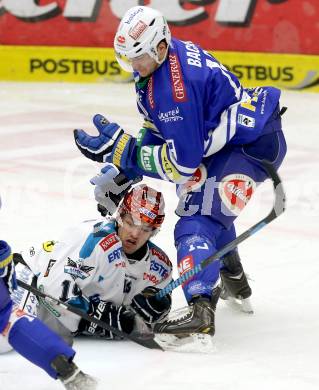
146 339
278 208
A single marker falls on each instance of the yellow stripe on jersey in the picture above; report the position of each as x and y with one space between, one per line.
148 125
168 167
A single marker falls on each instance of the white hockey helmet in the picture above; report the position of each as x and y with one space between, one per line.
140 32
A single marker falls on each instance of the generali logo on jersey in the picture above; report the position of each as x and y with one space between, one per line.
178 87
109 241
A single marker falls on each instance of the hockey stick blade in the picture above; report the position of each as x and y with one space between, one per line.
146 340
278 208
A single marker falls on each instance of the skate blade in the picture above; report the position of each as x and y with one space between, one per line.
194 343
242 305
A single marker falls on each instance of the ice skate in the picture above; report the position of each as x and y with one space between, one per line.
80 381
71 376
194 324
234 283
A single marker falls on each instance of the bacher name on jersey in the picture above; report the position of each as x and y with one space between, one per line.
89 261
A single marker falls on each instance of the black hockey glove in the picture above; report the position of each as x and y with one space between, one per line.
150 308
117 316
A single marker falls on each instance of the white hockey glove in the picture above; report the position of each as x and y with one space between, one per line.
150 308
111 185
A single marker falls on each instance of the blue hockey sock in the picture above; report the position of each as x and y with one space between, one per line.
37 343
191 251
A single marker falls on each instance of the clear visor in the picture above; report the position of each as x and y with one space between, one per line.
131 220
129 64
124 62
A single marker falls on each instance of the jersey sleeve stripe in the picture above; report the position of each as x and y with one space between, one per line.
237 89
185 171
158 164
224 132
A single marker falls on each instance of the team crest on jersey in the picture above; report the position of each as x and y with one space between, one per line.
235 191
77 269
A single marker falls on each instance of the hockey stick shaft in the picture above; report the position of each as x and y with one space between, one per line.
146 340
278 208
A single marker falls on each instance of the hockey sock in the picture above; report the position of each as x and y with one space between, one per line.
37 343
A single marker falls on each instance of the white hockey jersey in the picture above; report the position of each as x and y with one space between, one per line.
89 262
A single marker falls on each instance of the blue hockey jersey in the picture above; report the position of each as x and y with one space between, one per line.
193 106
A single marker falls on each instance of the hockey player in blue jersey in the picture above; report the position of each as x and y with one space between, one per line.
31 338
202 131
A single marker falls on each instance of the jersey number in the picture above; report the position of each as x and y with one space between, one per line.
65 290
127 286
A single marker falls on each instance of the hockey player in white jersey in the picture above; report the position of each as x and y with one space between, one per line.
108 268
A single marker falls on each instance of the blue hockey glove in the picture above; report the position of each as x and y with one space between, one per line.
111 145
150 308
7 272
111 185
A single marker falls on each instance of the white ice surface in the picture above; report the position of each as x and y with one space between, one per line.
44 188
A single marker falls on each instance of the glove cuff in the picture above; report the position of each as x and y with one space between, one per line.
161 304
121 153
127 320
